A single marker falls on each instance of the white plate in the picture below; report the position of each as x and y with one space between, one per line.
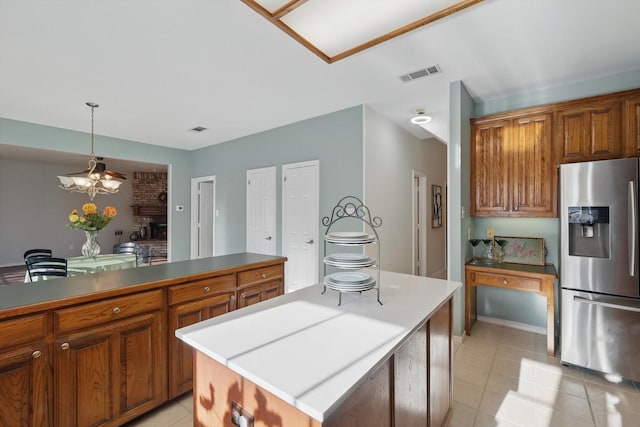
349 277
347 235
349 257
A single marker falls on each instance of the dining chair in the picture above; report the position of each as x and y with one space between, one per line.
37 252
45 267
134 249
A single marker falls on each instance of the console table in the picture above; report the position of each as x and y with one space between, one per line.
538 279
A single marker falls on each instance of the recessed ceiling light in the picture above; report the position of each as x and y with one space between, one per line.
420 118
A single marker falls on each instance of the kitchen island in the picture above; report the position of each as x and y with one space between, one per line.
302 360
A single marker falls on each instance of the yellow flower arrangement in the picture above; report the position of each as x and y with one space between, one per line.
92 220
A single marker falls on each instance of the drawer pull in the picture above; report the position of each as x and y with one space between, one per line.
264 275
206 289
116 310
505 281
65 346
37 354
232 297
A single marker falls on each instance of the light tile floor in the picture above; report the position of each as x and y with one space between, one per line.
502 377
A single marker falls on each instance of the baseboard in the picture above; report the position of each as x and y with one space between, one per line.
514 325
440 274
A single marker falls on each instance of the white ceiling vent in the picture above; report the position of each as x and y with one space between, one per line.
434 69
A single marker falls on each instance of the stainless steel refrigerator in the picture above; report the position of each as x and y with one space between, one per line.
600 296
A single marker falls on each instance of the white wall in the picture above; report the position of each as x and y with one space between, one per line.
391 155
436 171
35 211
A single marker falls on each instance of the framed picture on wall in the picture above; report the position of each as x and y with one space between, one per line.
436 195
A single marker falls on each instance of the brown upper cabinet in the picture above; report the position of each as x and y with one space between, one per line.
632 125
515 154
512 167
589 130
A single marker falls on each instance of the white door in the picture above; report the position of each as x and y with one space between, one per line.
203 206
300 223
261 211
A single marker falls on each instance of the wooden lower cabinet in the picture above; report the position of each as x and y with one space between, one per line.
109 374
262 292
26 379
106 360
25 387
180 354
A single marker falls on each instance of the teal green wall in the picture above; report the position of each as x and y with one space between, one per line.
461 109
32 135
335 139
519 306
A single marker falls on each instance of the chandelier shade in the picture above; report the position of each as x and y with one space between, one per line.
96 179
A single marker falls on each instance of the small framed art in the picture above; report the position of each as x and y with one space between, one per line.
436 195
522 250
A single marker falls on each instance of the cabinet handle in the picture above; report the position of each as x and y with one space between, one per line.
65 346
243 295
264 275
116 310
37 354
515 208
232 297
206 289
504 208
505 282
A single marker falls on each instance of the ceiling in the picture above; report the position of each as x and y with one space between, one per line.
159 68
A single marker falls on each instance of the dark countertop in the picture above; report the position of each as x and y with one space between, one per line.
29 297
525 268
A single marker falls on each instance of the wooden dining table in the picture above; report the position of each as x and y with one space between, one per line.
88 265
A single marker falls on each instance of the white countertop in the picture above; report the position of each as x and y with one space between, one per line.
310 352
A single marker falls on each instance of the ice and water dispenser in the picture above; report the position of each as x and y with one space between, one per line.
589 231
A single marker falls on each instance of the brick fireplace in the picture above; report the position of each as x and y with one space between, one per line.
150 210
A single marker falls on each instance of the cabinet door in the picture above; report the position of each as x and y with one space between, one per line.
109 374
181 354
440 366
257 293
489 168
632 123
533 173
25 382
589 132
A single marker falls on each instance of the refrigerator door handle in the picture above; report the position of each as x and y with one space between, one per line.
606 304
632 221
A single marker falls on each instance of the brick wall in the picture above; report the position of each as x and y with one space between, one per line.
146 188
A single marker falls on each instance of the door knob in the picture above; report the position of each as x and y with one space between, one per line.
309 242
268 238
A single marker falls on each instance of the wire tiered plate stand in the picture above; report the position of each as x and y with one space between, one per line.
351 280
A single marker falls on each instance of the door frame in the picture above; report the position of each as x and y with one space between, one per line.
316 230
194 213
422 186
275 198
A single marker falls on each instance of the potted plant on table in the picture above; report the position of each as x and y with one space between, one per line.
91 222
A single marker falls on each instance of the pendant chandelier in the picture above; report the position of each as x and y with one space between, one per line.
96 179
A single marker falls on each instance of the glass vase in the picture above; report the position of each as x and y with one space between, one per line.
90 248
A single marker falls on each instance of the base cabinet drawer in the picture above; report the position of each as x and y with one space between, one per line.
507 281
258 275
109 310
